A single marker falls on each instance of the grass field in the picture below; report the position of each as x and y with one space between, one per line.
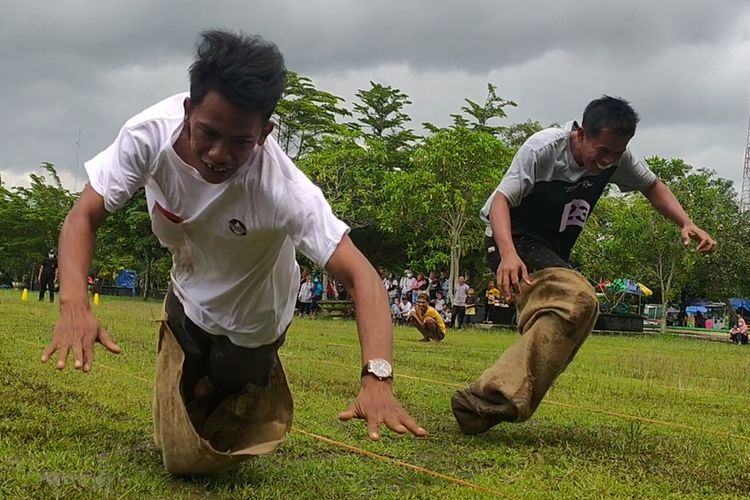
632 417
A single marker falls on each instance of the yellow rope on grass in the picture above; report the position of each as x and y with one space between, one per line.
405 465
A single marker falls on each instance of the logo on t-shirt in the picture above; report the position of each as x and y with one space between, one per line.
575 213
237 227
586 184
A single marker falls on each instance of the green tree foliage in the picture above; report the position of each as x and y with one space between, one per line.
350 175
435 204
30 221
479 115
382 121
305 115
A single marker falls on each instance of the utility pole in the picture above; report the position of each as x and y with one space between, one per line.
745 198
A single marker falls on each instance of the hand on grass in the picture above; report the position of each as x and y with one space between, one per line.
77 330
376 405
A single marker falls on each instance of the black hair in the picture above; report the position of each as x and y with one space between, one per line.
610 113
246 70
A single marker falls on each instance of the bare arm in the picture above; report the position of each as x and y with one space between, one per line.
350 267
500 224
665 202
375 402
77 328
512 270
76 246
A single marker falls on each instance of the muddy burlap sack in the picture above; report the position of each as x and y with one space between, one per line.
555 315
195 441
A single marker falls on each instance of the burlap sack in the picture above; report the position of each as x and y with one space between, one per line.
556 314
251 422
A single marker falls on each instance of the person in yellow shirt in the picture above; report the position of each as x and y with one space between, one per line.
492 296
427 320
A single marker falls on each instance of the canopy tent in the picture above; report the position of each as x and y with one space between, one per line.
623 285
696 309
740 305
126 279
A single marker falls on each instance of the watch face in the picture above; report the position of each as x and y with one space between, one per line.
380 368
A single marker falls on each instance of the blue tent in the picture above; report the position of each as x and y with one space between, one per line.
696 309
126 279
740 304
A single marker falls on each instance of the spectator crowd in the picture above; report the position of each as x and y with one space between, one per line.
457 308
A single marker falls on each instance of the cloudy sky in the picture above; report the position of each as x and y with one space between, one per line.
84 65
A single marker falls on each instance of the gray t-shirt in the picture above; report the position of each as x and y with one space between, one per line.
551 196
459 294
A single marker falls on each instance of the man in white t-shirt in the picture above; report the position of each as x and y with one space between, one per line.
232 209
458 311
533 219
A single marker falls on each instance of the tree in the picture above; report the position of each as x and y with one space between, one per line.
436 204
305 115
349 175
30 221
479 116
382 120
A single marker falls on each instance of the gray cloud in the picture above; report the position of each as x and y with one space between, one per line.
90 65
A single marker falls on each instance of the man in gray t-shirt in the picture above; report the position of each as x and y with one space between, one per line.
458 311
533 219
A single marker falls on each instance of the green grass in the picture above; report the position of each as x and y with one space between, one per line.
632 417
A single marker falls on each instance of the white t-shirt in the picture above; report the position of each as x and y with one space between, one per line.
405 307
459 294
233 256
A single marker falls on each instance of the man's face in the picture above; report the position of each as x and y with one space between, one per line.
422 304
602 151
461 280
222 136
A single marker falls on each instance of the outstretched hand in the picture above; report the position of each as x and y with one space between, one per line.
376 405
706 244
77 330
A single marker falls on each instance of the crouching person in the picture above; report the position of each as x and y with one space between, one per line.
738 333
232 209
427 320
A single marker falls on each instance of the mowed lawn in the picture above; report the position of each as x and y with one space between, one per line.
632 417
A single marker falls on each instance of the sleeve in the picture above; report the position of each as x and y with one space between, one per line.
310 222
520 177
632 174
120 170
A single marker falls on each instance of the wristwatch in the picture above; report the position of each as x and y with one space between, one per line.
378 367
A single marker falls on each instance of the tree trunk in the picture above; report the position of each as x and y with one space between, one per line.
147 279
455 261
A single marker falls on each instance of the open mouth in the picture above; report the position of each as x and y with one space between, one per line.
218 170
